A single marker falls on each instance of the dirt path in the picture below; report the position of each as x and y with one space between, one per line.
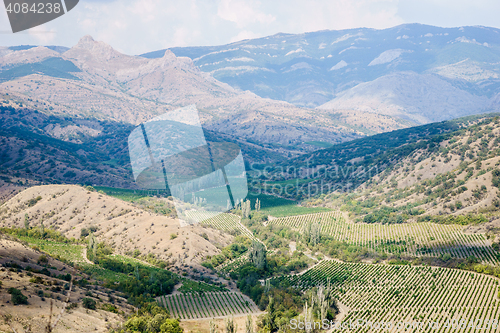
84 254
343 311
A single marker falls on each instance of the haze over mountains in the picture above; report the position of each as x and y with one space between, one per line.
284 91
93 80
416 72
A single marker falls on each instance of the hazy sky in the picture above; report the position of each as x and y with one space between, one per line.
138 26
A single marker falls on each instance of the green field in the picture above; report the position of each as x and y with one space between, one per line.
415 239
270 205
190 286
127 194
279 207
69 252
390 293
207 305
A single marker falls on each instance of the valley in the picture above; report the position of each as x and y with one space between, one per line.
371 160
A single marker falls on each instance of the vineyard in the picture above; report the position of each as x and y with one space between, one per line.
407 238
222 221
406 294
207 305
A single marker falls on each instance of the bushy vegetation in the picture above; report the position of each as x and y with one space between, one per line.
89 303
17 296
150 319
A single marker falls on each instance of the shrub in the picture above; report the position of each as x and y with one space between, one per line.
173 236
43 259
17 296
89 303
110 308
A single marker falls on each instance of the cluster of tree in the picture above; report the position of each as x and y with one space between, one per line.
150 318
17 296
246 209
143 283
38 233
283 303
452 219
230 252
258 255
312 233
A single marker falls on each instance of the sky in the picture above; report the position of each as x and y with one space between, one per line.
138 26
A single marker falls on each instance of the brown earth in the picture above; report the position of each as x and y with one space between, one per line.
34 316
70 208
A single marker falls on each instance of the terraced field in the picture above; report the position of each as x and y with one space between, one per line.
207 305
408 294
224 221
409 238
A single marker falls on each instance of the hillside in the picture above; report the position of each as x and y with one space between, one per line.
42 290
126 228
93 80
365 69
445 172
360 205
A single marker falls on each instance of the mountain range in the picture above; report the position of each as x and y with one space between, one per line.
415 72
92 80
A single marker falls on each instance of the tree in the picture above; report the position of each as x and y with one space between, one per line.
324 298
257 205
17 296
42 229
257 255
308 315
246 209
26 221
315 236
307 233
151 319
271 315
92 247
89 303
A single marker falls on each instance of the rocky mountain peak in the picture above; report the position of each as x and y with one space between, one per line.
89 48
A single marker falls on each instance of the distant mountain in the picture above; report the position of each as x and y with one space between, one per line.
422 98
366 69
92 80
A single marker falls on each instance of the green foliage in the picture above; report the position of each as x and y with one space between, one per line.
452 219
279 207
17 296
89 303
258 255
150 319
26 221
141 283
35 233
84 232
189 286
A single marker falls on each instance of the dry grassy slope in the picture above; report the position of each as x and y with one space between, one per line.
68 209
133 89
411 175
37 312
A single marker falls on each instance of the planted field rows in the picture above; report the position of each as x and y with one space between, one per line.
222 221
233 265
207 305
391 293
407 238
